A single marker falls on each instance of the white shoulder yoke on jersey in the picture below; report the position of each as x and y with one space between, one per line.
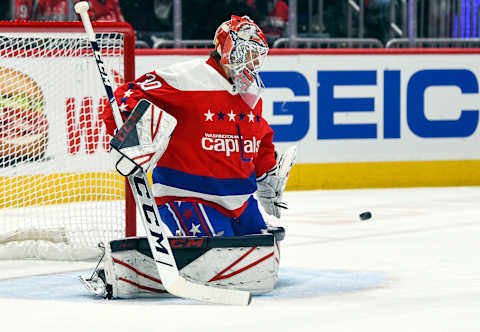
195 75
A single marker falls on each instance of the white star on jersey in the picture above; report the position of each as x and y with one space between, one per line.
123 107
231 116
251 117
209 116
195 229
127 93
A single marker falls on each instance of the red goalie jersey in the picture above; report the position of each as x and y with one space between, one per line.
220 145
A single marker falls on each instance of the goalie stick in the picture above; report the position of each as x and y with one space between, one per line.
173 282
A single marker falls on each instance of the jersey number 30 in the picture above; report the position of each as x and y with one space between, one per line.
150 83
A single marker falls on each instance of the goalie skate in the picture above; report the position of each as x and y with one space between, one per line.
97 284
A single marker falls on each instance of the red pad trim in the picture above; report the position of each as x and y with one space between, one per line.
136 271
221 276
154 131
155 290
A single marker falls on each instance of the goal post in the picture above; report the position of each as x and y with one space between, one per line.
59 192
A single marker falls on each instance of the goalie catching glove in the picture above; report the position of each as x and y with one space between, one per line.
271 185
143 138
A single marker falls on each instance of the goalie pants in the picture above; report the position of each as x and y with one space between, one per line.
195 219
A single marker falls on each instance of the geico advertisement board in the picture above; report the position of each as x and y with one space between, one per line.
367 107
364 119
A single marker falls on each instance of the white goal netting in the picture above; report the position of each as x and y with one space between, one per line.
59 193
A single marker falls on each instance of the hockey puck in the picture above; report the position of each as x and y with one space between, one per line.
365 215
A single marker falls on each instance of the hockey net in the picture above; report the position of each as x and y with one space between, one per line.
59 193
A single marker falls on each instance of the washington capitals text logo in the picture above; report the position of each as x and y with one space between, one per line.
229 144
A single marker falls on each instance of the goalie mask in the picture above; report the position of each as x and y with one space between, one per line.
242 47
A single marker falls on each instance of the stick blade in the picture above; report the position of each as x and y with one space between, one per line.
186 289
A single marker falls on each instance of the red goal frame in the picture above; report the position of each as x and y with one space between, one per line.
129 75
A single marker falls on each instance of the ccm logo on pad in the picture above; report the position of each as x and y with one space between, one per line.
186 243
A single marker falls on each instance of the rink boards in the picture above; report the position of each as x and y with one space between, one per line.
368 118
364 118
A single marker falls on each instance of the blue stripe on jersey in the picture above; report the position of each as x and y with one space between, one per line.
204 184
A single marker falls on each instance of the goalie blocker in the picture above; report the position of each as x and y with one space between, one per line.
142 139
243 263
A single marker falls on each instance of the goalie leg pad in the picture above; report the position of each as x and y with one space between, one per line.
243 263
132 274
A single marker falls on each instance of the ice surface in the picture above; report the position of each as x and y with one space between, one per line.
414 266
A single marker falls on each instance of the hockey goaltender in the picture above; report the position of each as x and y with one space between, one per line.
199 126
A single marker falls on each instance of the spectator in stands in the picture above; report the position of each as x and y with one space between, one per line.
275 23
203 16
5 11
259 7
377 16
62 10
41 10
152 20
334 12
105 10
163 11
377 19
